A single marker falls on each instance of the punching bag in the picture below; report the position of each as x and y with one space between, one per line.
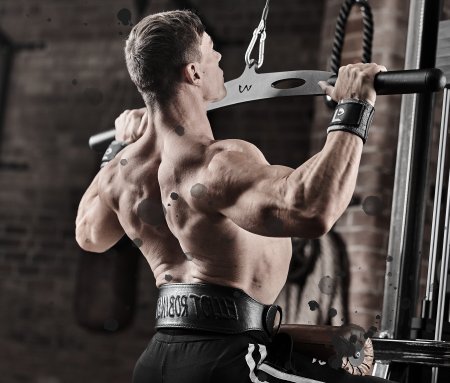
106 287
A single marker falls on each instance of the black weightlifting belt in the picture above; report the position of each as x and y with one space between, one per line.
213 308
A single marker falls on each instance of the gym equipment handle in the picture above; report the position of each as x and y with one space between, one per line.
100 141
395 82
406 81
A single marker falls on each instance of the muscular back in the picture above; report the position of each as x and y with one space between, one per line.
191 239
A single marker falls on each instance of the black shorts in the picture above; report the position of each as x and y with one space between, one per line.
193 356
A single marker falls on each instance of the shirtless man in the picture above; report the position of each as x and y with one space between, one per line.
215 213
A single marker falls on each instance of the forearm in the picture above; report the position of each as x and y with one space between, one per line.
88 198
325 183
85 205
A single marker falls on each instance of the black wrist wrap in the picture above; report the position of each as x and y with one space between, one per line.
353 116
114 148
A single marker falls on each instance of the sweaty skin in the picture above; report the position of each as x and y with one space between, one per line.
228 214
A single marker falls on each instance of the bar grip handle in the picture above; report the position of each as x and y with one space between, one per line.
394 82
100 141
406 81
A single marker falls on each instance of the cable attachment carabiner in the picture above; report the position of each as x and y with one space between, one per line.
261 30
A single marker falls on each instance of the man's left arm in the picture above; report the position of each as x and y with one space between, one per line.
97 225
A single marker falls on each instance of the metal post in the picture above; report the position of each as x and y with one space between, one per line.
445 249
411 175
437 199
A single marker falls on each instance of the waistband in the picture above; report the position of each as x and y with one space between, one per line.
182 335
212 307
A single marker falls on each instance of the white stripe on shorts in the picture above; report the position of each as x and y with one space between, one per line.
251 362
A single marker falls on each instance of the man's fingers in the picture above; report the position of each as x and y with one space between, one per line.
144 120
327 88
141 112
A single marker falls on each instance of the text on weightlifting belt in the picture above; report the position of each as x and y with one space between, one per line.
211 307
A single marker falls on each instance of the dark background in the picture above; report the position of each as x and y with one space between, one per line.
46 164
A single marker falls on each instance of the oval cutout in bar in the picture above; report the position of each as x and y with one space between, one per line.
288 83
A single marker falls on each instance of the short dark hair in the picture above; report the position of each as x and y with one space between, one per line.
156 50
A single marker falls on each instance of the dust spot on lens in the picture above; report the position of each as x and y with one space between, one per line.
123 162
93 96
111 325
313 305
174 196
198 191
124 15
137 242
168 277
405 303
188 256
332 312
372 205
179 130
328 285
151 212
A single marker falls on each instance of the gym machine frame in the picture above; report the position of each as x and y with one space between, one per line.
428 45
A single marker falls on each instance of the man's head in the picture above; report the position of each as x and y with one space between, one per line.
165 49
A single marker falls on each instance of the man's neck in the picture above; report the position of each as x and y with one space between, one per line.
187 111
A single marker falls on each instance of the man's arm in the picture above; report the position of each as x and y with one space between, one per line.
97 225
276 201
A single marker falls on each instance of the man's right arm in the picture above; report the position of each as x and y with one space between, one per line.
329 177
277 201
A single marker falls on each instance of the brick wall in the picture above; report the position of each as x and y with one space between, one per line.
47 125
366 236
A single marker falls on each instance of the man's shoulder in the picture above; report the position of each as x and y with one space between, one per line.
233 144
235 148
229 163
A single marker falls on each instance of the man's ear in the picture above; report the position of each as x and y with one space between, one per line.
191 71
